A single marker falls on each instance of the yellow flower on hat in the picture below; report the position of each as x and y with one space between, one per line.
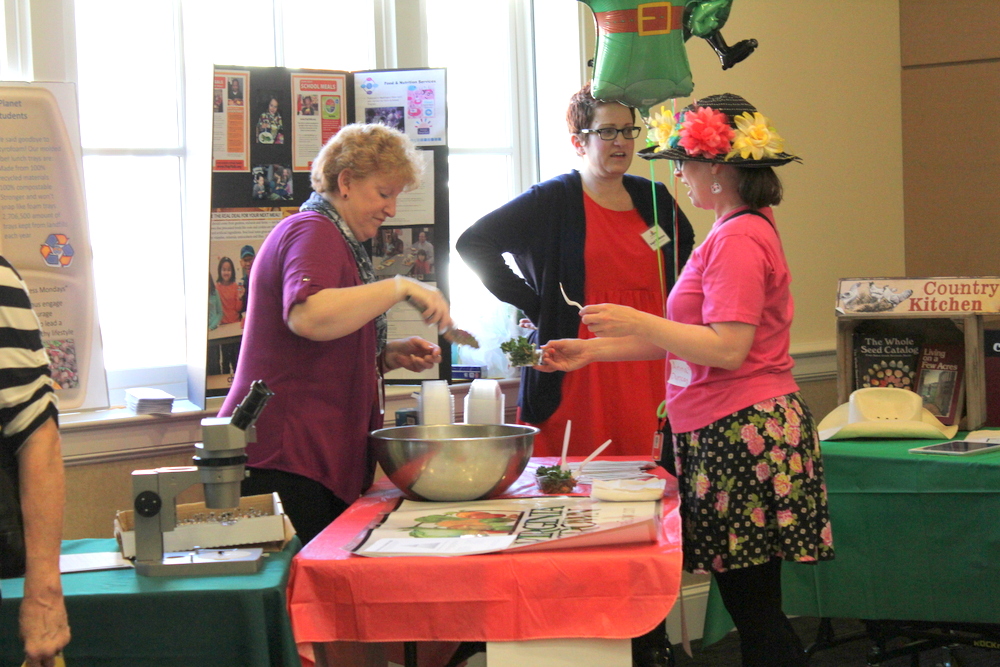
662 126
754 136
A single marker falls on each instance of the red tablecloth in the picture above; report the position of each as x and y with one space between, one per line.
611 592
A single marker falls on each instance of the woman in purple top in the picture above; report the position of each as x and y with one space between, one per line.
750 476
315 330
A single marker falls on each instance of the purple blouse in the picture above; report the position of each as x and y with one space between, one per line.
325 393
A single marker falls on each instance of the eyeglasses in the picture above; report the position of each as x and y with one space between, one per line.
609 133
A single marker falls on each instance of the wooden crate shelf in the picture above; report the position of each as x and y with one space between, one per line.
971 326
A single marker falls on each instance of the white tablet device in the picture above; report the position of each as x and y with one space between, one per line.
958 447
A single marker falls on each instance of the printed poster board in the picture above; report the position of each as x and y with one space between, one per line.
45 232
268 125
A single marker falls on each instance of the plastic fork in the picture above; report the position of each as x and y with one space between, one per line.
567 299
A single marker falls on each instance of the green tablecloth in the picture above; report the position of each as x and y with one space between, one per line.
917 537
119 618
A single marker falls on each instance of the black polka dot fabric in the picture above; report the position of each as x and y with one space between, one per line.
751 488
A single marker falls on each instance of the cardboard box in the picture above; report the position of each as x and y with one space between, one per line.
272 528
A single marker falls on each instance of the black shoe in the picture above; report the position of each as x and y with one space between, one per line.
653 648
653 657
465 651
730 55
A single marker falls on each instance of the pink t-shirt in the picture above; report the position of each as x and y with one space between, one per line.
738 274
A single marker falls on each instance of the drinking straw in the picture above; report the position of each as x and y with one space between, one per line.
562 461
579 471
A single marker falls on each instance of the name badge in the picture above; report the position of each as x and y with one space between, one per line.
655 237
680 373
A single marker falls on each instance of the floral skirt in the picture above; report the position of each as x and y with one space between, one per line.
751 489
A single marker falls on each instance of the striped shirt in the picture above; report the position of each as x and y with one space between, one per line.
27 398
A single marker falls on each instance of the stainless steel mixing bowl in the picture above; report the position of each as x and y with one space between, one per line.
453 462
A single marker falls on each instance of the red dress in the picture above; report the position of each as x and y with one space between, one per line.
616 400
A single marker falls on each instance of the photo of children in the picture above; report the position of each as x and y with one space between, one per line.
218 103
270 128
392 116
230 293
307 106
235 88
238 235
272 182
422 255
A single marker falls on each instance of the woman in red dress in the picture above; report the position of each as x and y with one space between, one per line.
583 231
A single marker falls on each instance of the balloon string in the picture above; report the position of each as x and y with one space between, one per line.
656 221
656 227
656 235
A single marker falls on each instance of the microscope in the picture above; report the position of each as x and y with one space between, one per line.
219 466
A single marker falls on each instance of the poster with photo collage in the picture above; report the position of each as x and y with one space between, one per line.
269 123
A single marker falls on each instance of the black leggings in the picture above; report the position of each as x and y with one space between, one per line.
310 505
752 596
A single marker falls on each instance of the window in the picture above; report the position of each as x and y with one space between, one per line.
144 82
506 87
145 139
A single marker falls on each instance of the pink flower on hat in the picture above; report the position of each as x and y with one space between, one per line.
706 132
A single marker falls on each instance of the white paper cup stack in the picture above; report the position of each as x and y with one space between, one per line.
437 405
484 404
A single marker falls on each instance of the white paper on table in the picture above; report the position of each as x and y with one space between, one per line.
440 547
983 435
613 470
628 490
102 560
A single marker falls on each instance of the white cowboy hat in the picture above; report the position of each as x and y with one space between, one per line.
883 412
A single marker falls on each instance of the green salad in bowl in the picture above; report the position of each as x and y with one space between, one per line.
553 479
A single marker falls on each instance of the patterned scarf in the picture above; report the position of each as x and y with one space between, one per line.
317 203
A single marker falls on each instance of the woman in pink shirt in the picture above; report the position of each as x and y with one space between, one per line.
747 453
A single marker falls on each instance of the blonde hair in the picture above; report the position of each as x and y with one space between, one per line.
366 149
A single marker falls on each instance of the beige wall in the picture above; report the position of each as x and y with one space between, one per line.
827 75
951 103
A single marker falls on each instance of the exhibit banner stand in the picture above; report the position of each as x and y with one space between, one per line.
45 234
